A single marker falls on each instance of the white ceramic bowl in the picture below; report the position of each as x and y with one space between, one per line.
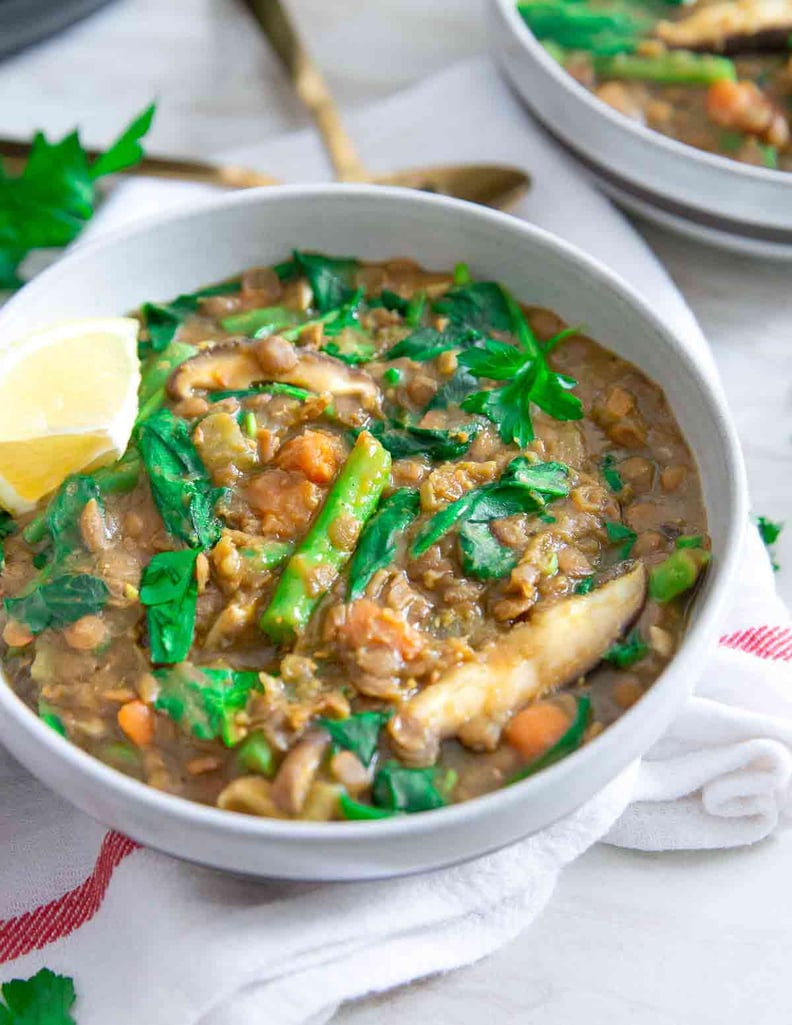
157 260
636 163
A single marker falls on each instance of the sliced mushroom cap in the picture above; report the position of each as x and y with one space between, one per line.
557 645
297 772
241 364
742 26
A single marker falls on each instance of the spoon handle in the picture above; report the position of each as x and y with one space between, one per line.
310 86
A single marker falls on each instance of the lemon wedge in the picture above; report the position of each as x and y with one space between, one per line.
68 402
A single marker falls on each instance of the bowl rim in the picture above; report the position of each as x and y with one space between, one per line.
649 136
698 638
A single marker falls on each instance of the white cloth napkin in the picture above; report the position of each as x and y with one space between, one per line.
149 939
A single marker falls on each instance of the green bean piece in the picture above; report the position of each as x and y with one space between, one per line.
677 574
267 556
353 496
255 755
679 67
270 318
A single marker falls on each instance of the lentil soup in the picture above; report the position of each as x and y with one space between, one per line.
383 540
715 74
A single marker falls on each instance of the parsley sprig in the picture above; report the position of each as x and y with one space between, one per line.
527 380
43 999
50 202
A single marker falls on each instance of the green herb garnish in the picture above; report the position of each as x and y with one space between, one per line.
611 474
569 742
621 532
63 600
358 733
49 204
204 702
769 531
169 591
331 278
378 542
483 557
43 999
405 440
410 790
627 652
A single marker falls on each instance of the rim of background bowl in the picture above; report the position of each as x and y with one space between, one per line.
698 637
649 135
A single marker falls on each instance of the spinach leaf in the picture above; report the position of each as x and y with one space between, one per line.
154 374
273 388
454 391
621 532
62 518
180 485
689 541
483 556
612 476
427 342
7 528
61 601
586 585
358 733
399 789
251 321
163 320
479 305
331 278
169 591
627 652
569 742
357 811
404 440
523 487
204 702
377 545
391 301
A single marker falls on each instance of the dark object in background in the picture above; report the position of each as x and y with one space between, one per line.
23 22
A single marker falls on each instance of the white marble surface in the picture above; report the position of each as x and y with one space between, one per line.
629 939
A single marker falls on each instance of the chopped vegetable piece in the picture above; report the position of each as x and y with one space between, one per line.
7 528
379 539
268 555
415 309
274 388
677 574
585 586
690 541
411 790
621 532
393 377
62 601
163 320
678 67
181 487
576 26
427 342
354 495
169 591
462 274
611 474
356 811
403 440
535 729
255 754
479 306
568 743
254 321
455 390
331 278
769 530
205 701
43 999
627 652
51 718
483 557
357 733
154 375
137 721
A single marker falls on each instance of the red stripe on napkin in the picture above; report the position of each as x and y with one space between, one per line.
49 922
773 642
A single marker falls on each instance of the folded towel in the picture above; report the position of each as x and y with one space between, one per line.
214 950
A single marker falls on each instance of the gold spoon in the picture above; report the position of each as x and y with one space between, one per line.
488 184
15 152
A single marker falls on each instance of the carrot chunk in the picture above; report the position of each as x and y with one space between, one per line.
316 454
136 719
534 730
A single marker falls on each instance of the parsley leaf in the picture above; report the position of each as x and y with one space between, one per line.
357 733
49 203
179 483
399 789
621 532
528 380
169 591
769 531
627 652
331 278
204 702
377 545
43 999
